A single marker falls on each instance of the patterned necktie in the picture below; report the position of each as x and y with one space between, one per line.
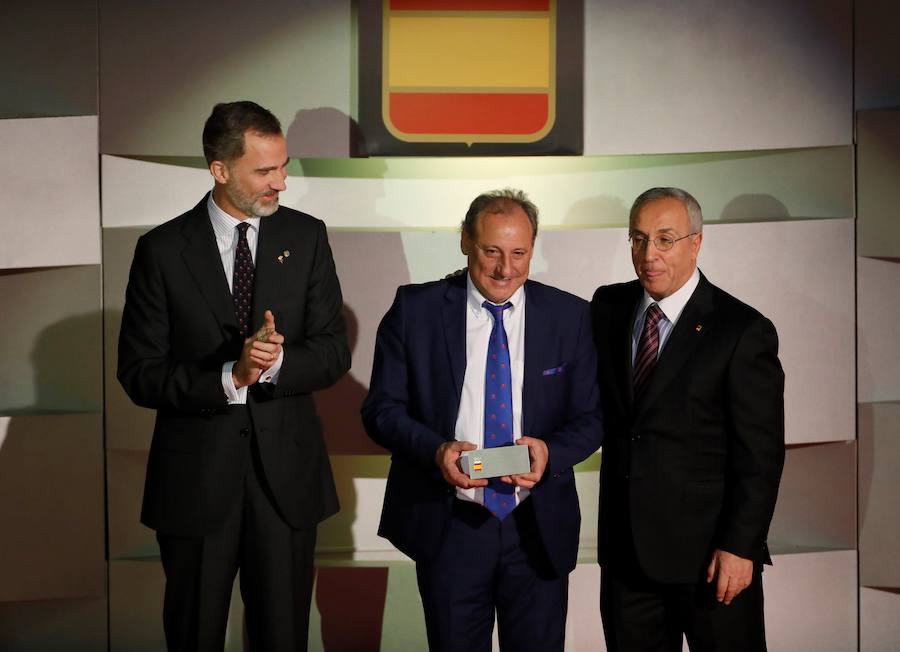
648 348
242 280
499 497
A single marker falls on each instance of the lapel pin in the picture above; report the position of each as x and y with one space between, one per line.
281 259
284 254
698 327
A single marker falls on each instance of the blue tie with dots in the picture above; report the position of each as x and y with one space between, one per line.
499 498
242 280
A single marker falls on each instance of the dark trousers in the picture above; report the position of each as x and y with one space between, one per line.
486 566
276 566
640 615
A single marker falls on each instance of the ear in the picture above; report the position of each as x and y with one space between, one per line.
695 244
219 171
465 243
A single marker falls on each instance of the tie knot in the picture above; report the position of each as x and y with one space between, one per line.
495 310
654 314
242 229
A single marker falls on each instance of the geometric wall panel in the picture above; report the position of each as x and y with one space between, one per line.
878 168
879 627
824 583
878 315
51 507
53 347
50 211
50 625
879 494
876 61
128 427
817 499
60 76
164 113
417 193
664 77
128 537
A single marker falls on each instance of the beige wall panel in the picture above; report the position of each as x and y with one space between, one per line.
50 210
584 632
690 76
293 58
817 499
811 602
51 507
53 625
878 168
879 627
878 313
398 193
128 427
879 494
801 276
128 537
135 609
54 351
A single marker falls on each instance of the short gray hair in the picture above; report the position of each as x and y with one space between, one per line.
686 198
500 201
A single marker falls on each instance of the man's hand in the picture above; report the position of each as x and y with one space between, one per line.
260 352
734 573
539 454
447 459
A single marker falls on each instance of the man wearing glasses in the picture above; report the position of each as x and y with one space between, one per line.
693 403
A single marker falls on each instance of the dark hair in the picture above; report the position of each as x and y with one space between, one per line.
500 201
687 199
223 133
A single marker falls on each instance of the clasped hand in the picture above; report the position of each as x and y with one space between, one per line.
447 460
261 350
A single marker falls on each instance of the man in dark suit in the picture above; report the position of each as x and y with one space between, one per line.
238 476
440 386
693 400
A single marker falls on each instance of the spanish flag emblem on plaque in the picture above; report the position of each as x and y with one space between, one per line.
480 76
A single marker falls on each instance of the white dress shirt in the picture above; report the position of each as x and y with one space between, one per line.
470 420
225 229
672 306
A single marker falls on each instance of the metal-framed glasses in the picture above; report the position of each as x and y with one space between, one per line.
662 243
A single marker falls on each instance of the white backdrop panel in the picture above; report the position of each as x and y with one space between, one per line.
878 313
50 211
695 76
399 193
879 627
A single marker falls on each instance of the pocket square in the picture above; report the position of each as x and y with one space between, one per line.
552 371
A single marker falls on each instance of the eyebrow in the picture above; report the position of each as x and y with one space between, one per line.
275 167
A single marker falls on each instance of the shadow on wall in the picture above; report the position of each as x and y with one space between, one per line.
754 208
51 475
325 132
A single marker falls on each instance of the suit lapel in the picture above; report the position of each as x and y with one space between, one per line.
201 257
621 326
537 333
266 289
691 327
454 319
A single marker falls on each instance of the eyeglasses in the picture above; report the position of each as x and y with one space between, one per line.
662 243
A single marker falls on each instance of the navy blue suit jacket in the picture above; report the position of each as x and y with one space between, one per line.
413 401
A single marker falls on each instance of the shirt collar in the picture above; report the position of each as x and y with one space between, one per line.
475 299
673 304
223 223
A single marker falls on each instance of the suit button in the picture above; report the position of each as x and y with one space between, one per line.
627 477
245 432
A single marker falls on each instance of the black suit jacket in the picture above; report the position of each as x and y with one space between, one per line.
694 465
413 402
178 328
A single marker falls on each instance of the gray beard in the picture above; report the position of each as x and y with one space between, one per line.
248 205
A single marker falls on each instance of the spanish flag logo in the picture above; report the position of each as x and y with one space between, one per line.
469 70
477 464
480 76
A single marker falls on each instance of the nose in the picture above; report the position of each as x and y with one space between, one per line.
505 266
649 252
278 182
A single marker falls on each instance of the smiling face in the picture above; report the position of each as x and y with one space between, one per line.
664 272
499 252
249 185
